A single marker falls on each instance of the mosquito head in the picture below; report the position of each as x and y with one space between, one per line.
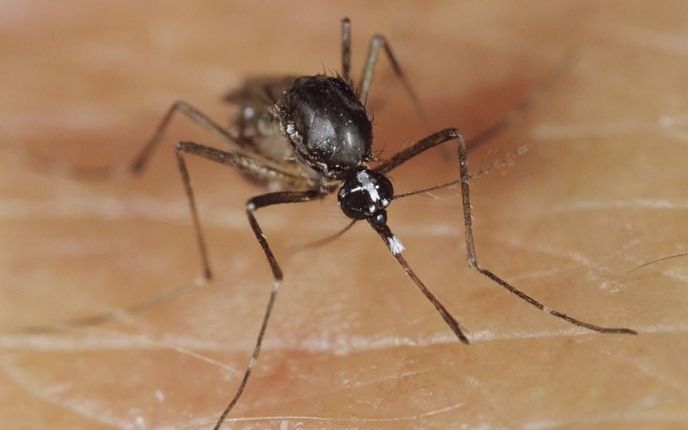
365 195
326 124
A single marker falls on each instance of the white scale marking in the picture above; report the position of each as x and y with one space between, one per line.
395 245
367 184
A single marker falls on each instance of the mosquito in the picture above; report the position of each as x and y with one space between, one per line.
311 136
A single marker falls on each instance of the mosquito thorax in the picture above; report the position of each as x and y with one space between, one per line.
365 194
326 123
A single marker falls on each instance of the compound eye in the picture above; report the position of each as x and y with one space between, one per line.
365 194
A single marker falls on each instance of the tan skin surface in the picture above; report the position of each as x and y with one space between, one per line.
352 343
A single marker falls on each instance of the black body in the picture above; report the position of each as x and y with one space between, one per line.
327 125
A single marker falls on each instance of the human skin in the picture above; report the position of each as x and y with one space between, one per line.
352 343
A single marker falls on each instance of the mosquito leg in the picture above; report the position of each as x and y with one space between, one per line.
377 43
396 248
241 162
192 113
346 49
473 256
422 145
464 177
251 206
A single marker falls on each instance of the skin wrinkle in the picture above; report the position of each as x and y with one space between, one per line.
596 271
647 369
629 415
576 257
116 341
555 251
315 395
548 132
479 388
345 345
666 43
575 266
200 422
145 336
598 205
621 416
101 416
681 136
665 124
86 410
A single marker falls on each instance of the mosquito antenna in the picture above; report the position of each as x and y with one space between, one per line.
396 248
323 241
427 190
114 315
658 260
505 161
